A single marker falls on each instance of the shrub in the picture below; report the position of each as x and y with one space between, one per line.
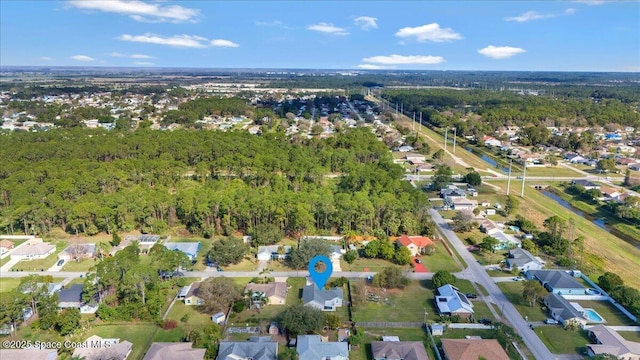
169 324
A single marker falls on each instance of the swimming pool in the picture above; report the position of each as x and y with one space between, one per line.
592 316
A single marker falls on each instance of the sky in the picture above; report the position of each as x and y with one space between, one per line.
551 35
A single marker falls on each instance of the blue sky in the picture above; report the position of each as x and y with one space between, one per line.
582 35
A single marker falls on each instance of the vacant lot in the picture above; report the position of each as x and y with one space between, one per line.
513 292
141 335
561 341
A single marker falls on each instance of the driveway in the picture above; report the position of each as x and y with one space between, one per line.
6 267
419 268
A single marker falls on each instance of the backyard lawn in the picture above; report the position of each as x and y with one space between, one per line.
513 292
141 335
441 260
610 313
561 341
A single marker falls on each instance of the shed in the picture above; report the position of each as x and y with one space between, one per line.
437 329
218 318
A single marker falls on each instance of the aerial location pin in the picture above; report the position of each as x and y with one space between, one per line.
320 278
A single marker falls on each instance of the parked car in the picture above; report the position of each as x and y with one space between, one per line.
219 268
518 278
485 321
551 321
471 296
60 262
418 261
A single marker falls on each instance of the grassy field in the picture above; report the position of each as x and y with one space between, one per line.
83 265
8 284
441 260
364 264
630 335
244 265
4 261
295 290
513 292
561 341
610 313
141 335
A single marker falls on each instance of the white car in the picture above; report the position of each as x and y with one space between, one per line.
551 321
518 278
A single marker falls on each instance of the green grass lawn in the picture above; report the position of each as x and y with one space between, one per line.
4 261
513 292
364 264
244 265
630 335
8 284
561 341
194 317
83 265
295 290
441 260
610 313
141 335
407 305
266 314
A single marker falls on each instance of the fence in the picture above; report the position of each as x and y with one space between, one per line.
469 326
390 324
615 303
433 343
587 297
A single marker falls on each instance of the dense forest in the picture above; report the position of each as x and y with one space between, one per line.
210 182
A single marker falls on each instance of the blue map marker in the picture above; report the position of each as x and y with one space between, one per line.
320 278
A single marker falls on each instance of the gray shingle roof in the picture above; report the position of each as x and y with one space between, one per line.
521 257
72 294
556 279
398 350
310 347
257 348
312 293
562 307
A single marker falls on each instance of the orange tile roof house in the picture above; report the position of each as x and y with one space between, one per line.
415 244
473 349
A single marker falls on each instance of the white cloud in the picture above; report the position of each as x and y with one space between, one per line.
570 11
223 43
328 29
117 54
143 63
82 58
405 60
46 58
140 56
372 67
189 41
276 23
140 10
500 52
430 32
366 22
590 2
529 16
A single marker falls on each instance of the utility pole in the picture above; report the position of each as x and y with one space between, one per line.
454 139
402 109
420 128
524 176
396 110
413 124
509 177
446 130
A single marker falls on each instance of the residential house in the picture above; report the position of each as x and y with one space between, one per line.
32 249
557 281
270 252
414 158
51 288
189 294
275 292
174 351
145 242
415 244
610 193
586 184
625 149
452 192
97 348
505 241
335 252
490 141
608 341
5 246
29 354
577 159
625 161
563 311
473 349
191 249
489 227
325 300
218 318
311 347
523 260
257 348
450 301
78 252
405 148
398 350
70 297
464 204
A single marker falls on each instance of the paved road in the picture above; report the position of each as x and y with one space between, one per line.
535 345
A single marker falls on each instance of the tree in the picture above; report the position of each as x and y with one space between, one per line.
218 293
533 291
266 234
115 239
350 256
288 354
443 277
390 278
510 205
228 251
442 177
473 178
332 321
556 227
606 165
68 321
316 129
300 257
299 319
608 281
489 243
430 249
438 155
402 256
530 246
463 221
